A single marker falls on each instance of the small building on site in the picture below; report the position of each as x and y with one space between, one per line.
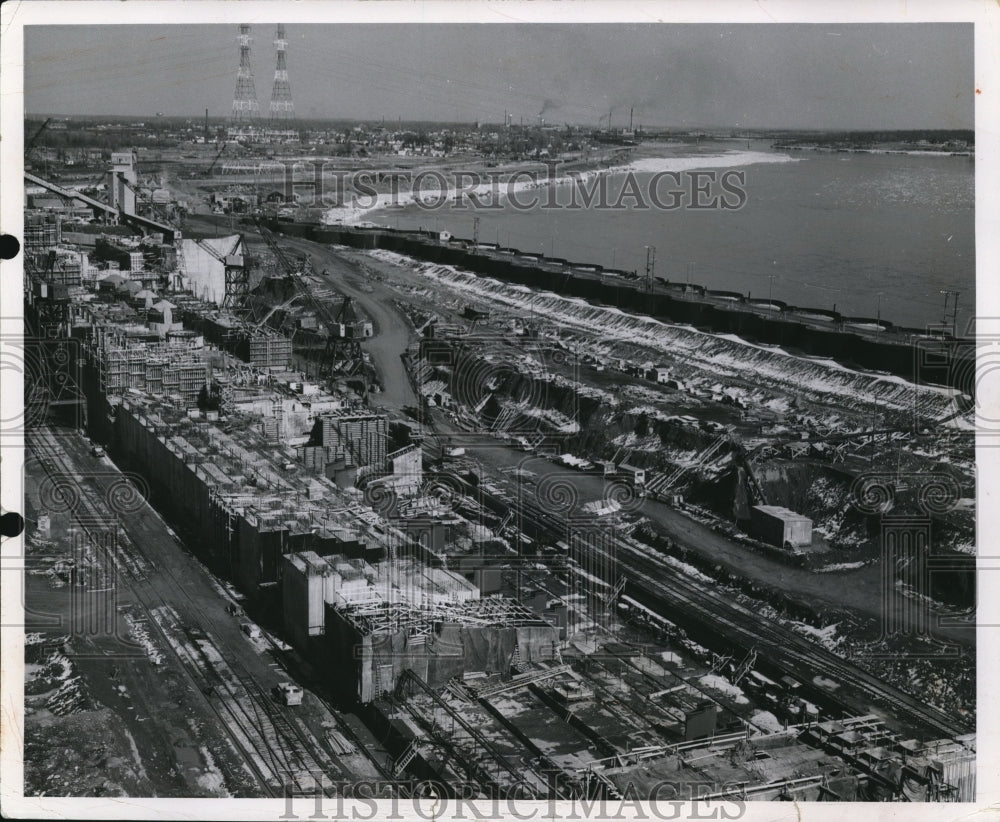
780 526
659 373
636 475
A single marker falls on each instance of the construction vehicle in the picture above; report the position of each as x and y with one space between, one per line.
288 693
251 630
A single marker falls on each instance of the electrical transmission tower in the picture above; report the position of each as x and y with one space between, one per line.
246 109
282 108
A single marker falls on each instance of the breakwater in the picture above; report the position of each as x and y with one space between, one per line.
928 356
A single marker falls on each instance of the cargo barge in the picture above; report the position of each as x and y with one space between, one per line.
929 356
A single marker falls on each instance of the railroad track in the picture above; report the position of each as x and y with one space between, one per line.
294 737
783 648
72 490
274 747
786 650
86 511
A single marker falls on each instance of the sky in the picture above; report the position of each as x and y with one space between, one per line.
869 76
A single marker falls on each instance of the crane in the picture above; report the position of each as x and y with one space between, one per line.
208 171
343 336
276 249
236 274
34 137
277 308
344 331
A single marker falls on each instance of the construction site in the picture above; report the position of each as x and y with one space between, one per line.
378 516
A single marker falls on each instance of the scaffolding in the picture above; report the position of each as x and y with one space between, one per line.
376 616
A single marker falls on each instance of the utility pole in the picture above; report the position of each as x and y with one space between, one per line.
475 232
650 265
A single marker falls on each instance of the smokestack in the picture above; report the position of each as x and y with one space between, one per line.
206 125
630 111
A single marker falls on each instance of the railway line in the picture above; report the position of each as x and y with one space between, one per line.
782 648
665 587
275 747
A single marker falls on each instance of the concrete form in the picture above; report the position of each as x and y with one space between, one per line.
379 640
234 492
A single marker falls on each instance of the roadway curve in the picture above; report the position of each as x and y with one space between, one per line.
392 331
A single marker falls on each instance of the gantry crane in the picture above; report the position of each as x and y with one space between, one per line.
237 275
344 331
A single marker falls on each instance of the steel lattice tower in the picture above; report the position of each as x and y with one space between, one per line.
282 107
245 105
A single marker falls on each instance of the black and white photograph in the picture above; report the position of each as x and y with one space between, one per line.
498 411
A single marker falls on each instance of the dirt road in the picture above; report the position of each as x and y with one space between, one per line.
857 590
393 332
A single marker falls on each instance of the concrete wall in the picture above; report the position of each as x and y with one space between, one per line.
307 584
362 665
782 327
205 273
182 488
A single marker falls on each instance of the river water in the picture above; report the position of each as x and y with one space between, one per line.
818 229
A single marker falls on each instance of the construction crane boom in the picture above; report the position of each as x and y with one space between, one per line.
339 342
34 137
211 168
277 308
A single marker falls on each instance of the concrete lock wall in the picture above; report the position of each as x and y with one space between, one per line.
364 665
177 485
304 593
789 326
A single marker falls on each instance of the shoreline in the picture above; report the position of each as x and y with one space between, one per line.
909 152
847 340
355 215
